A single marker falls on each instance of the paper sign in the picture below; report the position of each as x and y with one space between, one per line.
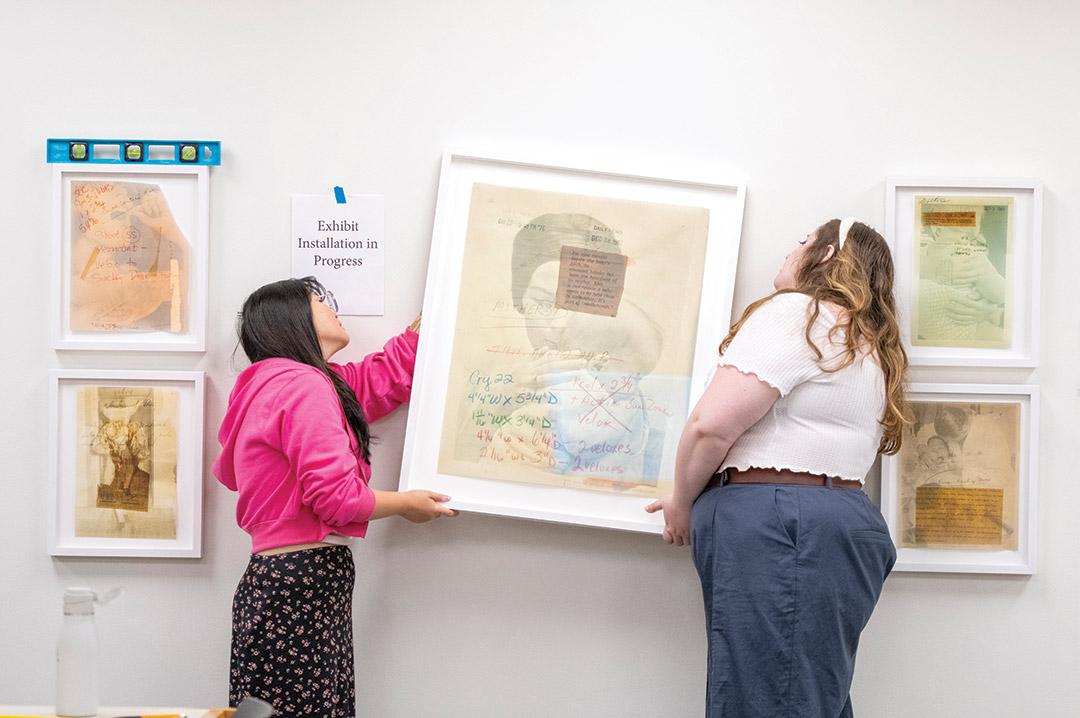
341 245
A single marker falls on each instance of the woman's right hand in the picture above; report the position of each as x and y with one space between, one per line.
676 520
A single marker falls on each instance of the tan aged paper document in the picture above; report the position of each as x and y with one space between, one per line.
125 476
958 515
574 340
963 264
959 476
129 260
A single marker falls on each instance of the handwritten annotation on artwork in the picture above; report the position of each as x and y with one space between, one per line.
129 260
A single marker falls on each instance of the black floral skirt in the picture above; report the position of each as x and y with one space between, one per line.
292 633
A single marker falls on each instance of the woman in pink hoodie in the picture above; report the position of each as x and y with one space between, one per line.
295 446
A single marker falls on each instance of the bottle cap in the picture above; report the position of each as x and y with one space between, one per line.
80 601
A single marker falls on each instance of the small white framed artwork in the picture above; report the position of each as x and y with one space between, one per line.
125 463
967 253
570 318
960 496
130 251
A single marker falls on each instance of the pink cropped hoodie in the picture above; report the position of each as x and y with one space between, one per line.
289 452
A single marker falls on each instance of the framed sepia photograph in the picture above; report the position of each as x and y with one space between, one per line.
960 494
126 463
570 319
130 257
967 269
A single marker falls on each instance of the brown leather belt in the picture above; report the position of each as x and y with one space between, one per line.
780 476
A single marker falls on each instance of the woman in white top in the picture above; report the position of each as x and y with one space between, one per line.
791 553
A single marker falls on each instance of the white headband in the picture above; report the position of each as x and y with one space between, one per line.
845 227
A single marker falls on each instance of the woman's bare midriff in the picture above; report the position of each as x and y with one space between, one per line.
293 547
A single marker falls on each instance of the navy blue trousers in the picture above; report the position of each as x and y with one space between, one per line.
790 576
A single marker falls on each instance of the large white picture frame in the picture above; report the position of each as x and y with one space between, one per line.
130 257
961 496
516 198
125 463
999 320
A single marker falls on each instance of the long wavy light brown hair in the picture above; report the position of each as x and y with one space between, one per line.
858 278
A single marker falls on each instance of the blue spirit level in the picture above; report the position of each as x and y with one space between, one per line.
150 152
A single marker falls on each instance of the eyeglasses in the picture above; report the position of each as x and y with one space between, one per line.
327 298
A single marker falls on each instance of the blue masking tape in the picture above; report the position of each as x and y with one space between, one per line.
340 195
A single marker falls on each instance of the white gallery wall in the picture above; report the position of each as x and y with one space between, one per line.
813 105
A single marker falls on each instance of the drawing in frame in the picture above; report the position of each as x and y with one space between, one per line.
967 269
130 248
960 496
570 319
125 463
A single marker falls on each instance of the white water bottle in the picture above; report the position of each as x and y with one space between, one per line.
77 653
77 656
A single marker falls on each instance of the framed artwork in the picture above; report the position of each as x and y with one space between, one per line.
570 319
960 496
130 257
126 463
967 269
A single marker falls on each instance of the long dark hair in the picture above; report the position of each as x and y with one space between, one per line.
276 322
859 278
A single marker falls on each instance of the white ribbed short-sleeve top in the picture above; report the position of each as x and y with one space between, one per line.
824 422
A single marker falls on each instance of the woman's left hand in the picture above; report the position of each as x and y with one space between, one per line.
676 520
415 326
420 506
